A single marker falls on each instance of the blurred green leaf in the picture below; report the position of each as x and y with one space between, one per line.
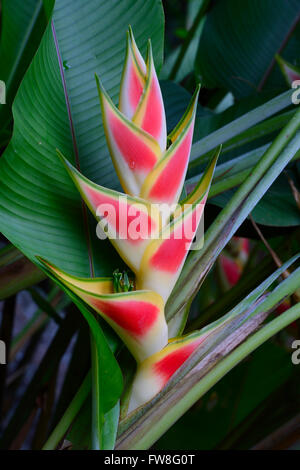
42 375
16 272
22 26
76 406
277 208
186 53
105 416
176 100
239 43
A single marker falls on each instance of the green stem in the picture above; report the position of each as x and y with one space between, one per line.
288 143
70 414
264 129
274 160
220 370
233 172
188 39
237 178
97 412
240 290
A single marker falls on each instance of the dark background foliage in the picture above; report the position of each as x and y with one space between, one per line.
230 47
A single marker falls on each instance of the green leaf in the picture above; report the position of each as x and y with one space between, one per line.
23 24
233 172
250 299
48 5
107 379
249 280
105 419
235 169
57 106
16 272
70 414
111 422
255 297
239 125
77 421
221 369
180 62
107 376
283 213
287 287
258 134
237 48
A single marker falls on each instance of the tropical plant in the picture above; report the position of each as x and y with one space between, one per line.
153 337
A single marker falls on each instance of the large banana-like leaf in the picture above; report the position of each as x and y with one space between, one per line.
57 106
22 26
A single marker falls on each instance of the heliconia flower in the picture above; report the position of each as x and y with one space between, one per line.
290 72
136 132
157 254
136 316
154 373
153 241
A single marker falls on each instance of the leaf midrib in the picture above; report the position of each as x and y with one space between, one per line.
75 147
